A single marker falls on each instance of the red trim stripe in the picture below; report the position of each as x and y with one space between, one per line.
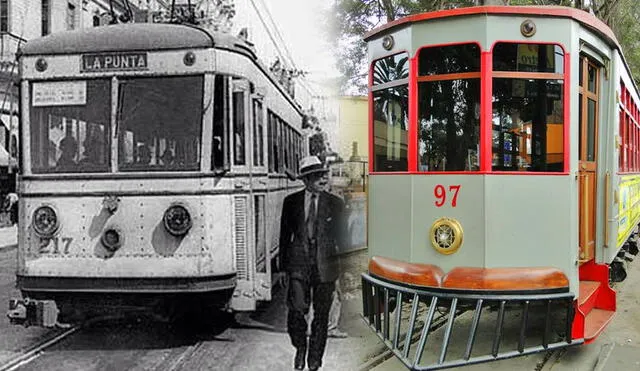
412 145
486 116
581 16
432 173
371 128
567 111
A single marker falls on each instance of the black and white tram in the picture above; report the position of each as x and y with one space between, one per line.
152 172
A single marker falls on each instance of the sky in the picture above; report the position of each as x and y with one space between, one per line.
301 27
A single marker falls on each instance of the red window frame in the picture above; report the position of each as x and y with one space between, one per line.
412 113
486 94
487 114
415 78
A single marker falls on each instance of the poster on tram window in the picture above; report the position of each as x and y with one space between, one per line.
59 93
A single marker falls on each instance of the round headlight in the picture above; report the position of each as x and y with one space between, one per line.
41 65
112 239
177 220
45 221
189 59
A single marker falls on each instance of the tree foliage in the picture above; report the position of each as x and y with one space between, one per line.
353 18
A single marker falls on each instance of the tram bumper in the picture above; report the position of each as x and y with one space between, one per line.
424 316
29 312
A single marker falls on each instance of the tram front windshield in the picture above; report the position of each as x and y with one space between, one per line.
158 125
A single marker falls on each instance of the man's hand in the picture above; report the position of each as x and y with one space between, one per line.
282 279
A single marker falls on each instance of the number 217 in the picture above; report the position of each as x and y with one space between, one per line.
441 194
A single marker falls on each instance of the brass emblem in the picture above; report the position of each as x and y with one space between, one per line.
446 235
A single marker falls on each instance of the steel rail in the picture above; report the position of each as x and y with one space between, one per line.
35 351
186 354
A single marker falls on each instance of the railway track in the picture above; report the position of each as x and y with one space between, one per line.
438 322
185 355
35 351
177 359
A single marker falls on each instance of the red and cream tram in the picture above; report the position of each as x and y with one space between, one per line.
503 182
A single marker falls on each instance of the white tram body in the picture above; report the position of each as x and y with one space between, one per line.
182 139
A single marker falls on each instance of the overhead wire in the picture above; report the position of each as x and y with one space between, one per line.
277 45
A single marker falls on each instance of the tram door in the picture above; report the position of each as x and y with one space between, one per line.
257 128
589 74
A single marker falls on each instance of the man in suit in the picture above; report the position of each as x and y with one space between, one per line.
311 231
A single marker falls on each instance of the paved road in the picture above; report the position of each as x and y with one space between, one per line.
146 345
8 237
12 338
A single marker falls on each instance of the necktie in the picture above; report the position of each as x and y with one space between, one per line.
311 217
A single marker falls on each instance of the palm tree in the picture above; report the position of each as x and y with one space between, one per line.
387 70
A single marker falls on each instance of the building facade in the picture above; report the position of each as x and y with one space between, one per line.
352 125
24 20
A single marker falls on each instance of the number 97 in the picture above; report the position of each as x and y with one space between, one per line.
441 194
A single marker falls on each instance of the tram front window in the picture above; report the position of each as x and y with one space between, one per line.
391 113
159 124
528 108
69 124
449 108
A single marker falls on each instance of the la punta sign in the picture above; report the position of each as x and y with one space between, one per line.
114 62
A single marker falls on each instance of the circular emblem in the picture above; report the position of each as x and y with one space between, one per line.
387 42
528 28
446 235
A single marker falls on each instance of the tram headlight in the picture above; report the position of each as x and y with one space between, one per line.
45 221
177 220
112 239
189 59
41 65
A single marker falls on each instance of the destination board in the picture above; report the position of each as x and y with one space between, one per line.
113 62
59 93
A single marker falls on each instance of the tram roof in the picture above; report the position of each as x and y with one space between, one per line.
585 18
129 37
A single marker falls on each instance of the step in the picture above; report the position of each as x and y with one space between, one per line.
588 295
595 322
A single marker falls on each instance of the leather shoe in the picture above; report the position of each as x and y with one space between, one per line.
299 360
335 333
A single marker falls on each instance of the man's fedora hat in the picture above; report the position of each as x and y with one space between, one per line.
311 164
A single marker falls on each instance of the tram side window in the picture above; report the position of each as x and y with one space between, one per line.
296 151
271 142
69 128
390 113
258 133
528 109
221 115
280 150
238 128
289 148
160 123
449 108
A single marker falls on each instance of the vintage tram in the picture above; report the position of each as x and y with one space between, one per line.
504 160
154 161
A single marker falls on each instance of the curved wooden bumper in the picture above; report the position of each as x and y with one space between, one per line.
414 274
469 278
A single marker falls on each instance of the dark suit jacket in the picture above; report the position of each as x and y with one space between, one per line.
330 236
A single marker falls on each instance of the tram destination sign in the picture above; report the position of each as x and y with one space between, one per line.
113 62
